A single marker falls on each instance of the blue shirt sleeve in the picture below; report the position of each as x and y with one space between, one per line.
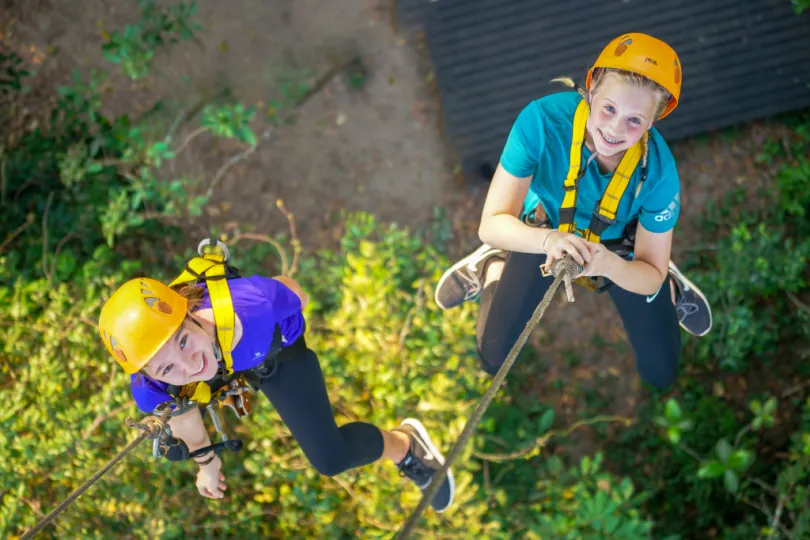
525 143
285 302
147 393
660 209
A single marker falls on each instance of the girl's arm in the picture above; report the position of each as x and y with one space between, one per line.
190 428
501 227
295 288
650 265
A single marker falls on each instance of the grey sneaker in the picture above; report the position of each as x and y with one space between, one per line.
465 279
422 462
693 310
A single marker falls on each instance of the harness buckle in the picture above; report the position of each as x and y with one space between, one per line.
597 214
574 186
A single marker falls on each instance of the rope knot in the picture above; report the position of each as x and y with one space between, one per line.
152 425
568 268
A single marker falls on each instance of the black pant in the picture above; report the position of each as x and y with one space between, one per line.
298 392
508 304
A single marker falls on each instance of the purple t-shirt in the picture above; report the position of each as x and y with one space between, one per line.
260 303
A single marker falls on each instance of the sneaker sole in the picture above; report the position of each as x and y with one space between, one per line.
674 269
417 425
463 262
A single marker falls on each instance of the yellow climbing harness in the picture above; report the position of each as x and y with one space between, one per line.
211 267
604 215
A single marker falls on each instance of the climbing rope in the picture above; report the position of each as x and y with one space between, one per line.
151 428
563 270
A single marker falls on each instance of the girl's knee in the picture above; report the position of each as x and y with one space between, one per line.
491 360
327 464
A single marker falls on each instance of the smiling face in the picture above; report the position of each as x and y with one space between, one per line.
187 357
621 112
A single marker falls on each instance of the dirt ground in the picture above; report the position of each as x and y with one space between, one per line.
376 149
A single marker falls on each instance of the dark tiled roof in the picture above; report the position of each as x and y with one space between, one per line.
743 59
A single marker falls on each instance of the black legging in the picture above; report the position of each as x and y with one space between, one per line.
508 304
298 392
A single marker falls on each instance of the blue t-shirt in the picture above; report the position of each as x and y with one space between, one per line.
539 146
260 303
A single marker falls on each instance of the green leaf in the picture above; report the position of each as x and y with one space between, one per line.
755 406
740 460
660 421
546 421
674 435
246 135
711 469
626 488
770 406
611 524
686 425
731 481
672 411
723 449
585 465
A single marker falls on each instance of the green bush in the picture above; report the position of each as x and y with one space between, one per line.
716 453
88 199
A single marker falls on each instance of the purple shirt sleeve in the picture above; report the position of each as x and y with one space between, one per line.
148 393
285 302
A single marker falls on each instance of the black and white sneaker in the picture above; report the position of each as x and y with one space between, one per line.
423 461
464 281
693 310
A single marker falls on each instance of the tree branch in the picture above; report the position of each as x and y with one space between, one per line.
776 517
296 244
28 221
269 240
103 417
542 441
45 237
190 137
798 303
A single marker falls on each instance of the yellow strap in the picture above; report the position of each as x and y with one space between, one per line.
618 183
198 267
211 267
224 315
201 393
575 159
614 192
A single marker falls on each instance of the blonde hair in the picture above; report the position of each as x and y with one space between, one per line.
191 293
628 77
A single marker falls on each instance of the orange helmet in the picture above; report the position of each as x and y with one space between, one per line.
647 56
138 319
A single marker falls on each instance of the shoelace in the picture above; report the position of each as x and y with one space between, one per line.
470 276
684 309
416 470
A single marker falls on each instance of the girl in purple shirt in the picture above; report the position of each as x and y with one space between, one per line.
165 336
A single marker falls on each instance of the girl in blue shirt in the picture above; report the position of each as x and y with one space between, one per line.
525 223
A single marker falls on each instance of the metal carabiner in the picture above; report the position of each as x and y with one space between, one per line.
219 245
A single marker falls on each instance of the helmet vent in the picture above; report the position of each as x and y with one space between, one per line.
158 304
